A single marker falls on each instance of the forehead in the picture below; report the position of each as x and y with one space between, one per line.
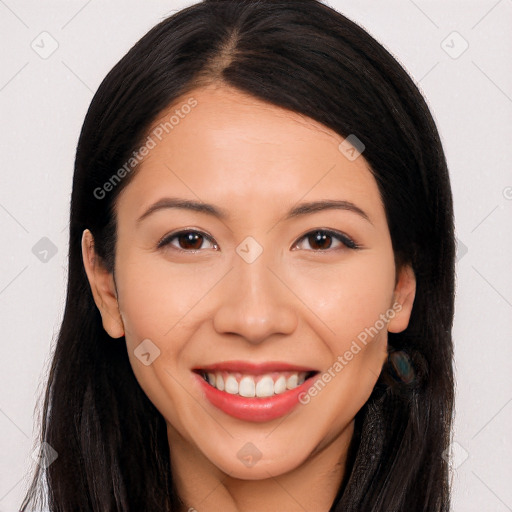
233 147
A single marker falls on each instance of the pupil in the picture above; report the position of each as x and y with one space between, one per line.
189 240
320 238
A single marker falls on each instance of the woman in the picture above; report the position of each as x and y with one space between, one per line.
261 277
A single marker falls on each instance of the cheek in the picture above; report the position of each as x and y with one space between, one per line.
155 295
154 301
349 297
354 301
356 312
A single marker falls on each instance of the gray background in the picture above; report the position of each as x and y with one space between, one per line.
44 97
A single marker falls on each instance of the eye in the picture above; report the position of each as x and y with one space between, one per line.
322 240
187 241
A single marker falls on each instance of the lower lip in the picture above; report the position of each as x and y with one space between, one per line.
255 409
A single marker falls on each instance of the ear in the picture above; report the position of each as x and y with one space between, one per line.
103 287
403 299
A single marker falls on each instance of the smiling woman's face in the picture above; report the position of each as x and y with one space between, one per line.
268 288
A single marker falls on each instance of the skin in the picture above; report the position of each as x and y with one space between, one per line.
297 302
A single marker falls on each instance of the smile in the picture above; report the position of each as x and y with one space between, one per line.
260 386
251 392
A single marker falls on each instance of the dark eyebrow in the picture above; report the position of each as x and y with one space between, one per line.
221 213
316 206
197 206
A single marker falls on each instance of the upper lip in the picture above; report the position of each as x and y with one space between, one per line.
254 368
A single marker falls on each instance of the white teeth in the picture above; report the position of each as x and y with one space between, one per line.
247 387
250 386
231 385
280 385
291 382
220 382
265 386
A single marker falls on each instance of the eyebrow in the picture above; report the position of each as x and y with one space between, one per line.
222 214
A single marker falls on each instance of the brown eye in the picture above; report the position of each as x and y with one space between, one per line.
322 240
190 241
187 241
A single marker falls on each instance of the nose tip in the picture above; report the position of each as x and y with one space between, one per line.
257 329
255 323
255 306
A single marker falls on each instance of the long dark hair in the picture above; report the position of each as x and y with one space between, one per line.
112 446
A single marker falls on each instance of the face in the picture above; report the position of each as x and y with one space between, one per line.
284 287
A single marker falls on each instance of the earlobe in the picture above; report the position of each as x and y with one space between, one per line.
103 288
403 299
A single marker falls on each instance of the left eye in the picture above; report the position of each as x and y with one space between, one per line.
187 240
321 240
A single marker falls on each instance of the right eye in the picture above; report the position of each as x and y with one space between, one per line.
187 241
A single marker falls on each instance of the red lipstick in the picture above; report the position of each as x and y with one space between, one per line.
254 409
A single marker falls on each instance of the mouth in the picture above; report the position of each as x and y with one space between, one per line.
255 386
254 392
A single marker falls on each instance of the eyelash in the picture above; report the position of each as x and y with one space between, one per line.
347 242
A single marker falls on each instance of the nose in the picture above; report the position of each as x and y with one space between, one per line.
255 304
